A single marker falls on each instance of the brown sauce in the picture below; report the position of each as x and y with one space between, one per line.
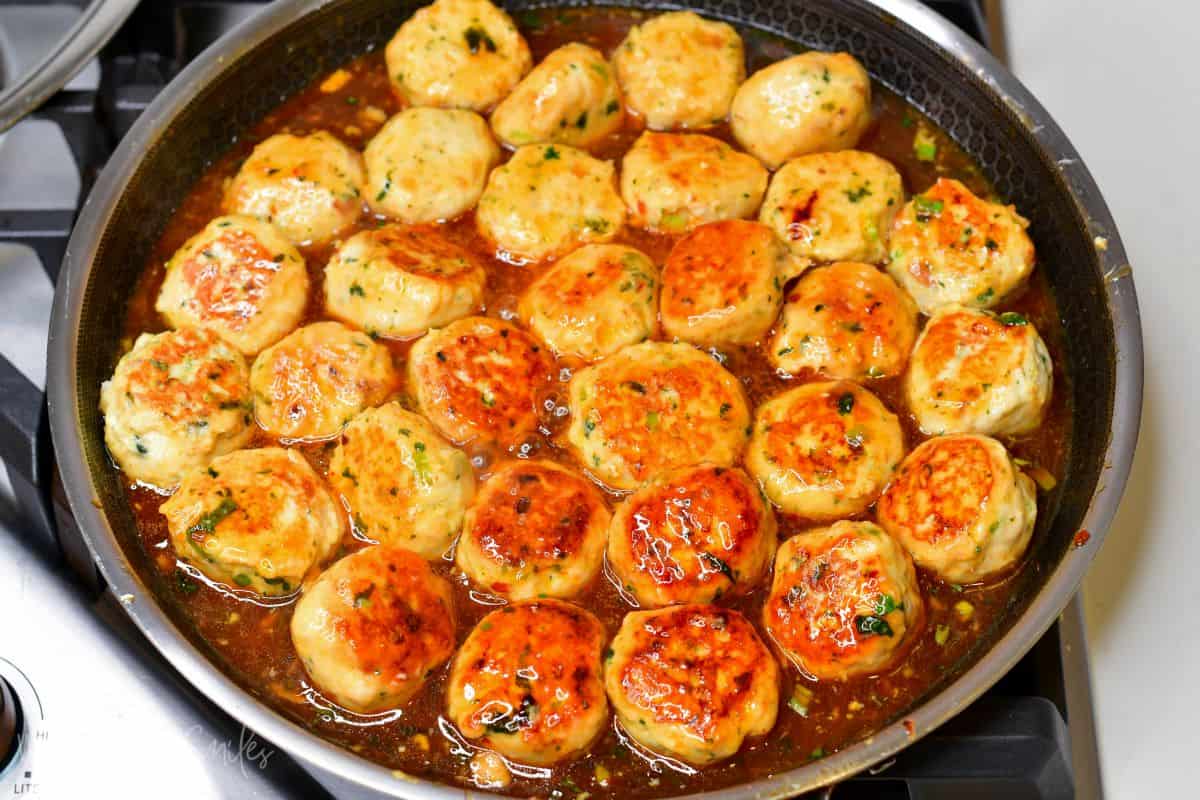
252 643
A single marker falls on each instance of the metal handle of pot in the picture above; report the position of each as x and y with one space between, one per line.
91 31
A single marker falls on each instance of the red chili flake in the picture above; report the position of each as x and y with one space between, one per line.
910 728
1082 538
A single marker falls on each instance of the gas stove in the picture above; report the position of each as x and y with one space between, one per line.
87 706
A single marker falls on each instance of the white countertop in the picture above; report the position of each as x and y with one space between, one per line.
1123 80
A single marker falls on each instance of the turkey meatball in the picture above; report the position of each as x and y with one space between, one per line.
398 281
809 103
457 54
845 601
723 283
429 164
692 535
824 450
534 530
480 378
257 519
239 278
679 70
404 486
174 402
847 320
527 682
593 302
835 206
548 200
653 407
310 186
978 372
691 681
961 507
672 182
951 247
312 383
570 98
373 627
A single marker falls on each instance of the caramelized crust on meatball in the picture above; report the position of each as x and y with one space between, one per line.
672 182
808 103
692 681
692 536
429 164
398 281
527 683
845 601
534 530
593 302
824 450
403 485
723 283
835 206
846 320
480 378
951 247
548 200
310 186
457 54
961 507
653 407
977 372
312 383
373 627
175 401
258 519
570 98
679 70
239 278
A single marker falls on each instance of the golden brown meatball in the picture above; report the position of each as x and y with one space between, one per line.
845 601
534 530
978 372
239 278
692 681
672 182
309 385
824 450
835 206
961 507
593 302
403 485
692 535
257 519
547 200
399 281
951 247
310 186
457 54
723 283
653 407
373 627
174 402
679 70
527 683
570 98
804 104
480 378
846 320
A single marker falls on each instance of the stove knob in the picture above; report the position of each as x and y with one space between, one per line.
10 725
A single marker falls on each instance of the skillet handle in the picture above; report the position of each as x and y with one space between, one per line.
25 450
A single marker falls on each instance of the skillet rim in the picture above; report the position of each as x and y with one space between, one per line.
143 609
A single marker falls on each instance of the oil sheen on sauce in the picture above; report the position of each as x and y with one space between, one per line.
252 643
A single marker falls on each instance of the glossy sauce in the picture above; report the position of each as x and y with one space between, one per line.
252 642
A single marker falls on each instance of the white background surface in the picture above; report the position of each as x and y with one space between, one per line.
1123 79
